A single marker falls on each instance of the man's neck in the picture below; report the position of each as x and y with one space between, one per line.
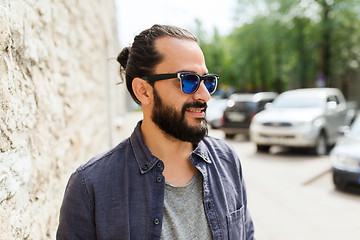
174 153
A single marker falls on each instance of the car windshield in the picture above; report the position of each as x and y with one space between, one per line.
355 127
243 106
297 101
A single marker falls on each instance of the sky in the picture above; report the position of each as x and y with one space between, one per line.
137 15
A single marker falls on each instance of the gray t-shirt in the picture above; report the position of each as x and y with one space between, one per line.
184 214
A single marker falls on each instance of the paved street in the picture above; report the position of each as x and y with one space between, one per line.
290 194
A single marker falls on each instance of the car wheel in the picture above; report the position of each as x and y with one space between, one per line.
263 148
321 145
339 183
229 135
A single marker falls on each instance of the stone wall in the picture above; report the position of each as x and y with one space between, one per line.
58 99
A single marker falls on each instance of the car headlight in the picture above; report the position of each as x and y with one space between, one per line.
348 160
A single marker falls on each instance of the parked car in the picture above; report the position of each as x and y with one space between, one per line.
241 108
302 118
215 111
345 157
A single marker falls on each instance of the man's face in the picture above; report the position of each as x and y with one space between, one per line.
179 115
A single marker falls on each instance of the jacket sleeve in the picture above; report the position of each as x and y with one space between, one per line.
77 211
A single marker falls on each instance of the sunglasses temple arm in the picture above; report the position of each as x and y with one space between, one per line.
159 77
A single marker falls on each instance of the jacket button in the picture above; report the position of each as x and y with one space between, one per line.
158 179
145 167
156 221
159 165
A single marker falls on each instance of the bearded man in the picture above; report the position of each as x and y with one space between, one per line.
168 180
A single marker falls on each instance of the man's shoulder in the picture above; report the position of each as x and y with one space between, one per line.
222 154
111 156
219 147
218 143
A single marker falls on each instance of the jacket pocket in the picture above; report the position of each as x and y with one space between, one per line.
236 224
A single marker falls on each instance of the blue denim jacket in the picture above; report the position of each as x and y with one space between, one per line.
120 195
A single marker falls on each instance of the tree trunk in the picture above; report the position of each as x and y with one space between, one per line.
325 46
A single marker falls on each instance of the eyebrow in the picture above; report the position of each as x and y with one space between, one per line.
207 72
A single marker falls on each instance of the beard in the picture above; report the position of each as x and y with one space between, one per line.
173 123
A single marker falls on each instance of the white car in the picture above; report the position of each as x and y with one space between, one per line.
215 111
345 157
306 118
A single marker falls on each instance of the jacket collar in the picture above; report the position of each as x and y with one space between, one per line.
201 150
144 158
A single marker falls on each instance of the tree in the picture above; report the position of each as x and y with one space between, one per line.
288 44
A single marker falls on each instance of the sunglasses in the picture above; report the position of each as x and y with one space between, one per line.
189 82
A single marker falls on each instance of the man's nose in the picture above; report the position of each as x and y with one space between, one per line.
202 93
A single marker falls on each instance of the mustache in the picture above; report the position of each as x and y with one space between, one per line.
194 105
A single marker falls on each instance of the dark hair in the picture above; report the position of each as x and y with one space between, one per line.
141 58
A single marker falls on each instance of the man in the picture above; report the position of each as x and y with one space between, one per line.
168 180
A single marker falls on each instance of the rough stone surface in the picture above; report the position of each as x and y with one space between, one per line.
58 96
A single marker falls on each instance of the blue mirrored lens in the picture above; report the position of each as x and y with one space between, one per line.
210 83
190 83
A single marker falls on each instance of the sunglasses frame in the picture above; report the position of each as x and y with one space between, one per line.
180 75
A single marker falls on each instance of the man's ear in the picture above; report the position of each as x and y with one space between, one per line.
142 90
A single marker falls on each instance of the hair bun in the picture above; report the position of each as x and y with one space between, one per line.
123 57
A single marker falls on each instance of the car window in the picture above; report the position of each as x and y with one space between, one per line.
297 101
333 99
243 106
261 104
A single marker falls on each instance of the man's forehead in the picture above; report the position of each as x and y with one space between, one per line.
179 54
172 44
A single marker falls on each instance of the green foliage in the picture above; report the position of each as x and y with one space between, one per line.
287 45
